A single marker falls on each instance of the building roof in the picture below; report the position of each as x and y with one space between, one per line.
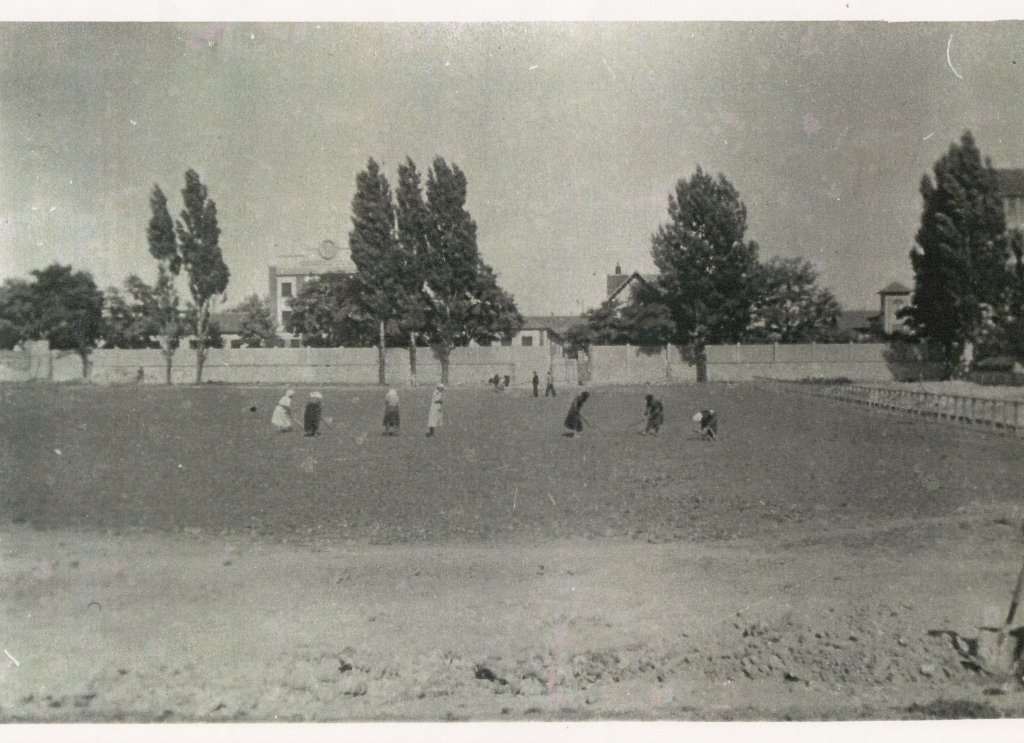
1011 181
895 288
617 282
849 320
557 324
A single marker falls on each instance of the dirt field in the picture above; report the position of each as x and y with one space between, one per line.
171 558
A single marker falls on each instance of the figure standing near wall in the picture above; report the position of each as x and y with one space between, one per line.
435 417
536 384
391 416
549 390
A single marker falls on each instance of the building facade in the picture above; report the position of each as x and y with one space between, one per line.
291 271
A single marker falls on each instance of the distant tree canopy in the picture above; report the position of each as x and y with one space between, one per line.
132 318
61 305
788 304
258 325
328 312
961 282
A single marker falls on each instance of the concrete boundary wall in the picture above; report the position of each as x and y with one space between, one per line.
473 366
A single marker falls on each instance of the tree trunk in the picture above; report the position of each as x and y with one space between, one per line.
702 363
444 355
168 355
412 359
85 363
202 317
381 361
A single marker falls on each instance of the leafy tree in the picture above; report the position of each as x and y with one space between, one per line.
199 247
328 313
375 251
960 276
258 326
131 319
789 306
464 301
706 267
15 313
66 310
639 322
163 246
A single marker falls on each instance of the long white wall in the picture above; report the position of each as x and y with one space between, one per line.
470 366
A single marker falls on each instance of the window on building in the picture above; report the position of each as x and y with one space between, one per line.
527 340
295 343
506 341
236 343
286 288
286 315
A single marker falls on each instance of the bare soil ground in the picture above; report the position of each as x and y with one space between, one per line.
167 557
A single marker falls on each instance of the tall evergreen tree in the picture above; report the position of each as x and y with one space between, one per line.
374 245
705 265
462 294
163 246
960 275
199 247
413 223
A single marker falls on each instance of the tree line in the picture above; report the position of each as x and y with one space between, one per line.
420 279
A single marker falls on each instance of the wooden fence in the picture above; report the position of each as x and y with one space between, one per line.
1000 416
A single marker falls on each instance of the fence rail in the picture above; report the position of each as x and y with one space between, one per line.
1000 416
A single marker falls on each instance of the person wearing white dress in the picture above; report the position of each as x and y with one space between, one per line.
282 417
435 418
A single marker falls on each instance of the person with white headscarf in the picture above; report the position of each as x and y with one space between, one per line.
391 416
312 415
435 418
282 417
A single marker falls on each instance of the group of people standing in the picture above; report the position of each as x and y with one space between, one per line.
312 415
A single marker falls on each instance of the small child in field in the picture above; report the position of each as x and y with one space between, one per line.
313 414
707 422
391 417
435 416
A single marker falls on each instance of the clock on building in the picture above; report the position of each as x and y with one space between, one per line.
327 250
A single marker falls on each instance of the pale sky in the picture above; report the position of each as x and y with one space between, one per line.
571 136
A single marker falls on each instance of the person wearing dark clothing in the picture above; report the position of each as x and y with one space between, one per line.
708 421
550 388
574 419
506 381
536 384
654 412
312 414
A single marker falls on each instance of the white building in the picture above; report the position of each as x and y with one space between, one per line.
290 271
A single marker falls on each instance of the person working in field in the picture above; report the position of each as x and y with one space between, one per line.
435 417
391 416
574 419
281 420
313 414
654 412
707 422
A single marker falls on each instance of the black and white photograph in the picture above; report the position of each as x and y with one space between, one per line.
557 369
